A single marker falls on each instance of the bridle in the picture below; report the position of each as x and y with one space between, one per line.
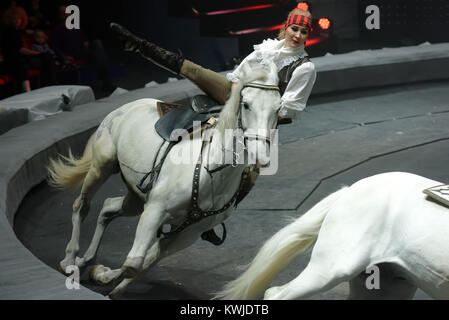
241 105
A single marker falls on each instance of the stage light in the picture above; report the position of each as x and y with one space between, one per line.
227 11
324 23
303 6
311 42
195 11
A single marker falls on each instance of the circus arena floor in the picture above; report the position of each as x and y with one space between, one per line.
341 138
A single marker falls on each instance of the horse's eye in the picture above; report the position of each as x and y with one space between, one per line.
246 105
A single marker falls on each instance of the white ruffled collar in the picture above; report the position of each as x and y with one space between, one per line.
272 50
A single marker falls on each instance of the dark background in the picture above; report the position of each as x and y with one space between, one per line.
173 25
206 40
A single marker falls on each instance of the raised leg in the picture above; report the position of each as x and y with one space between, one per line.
212 83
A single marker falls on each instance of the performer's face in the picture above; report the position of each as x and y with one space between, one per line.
295 36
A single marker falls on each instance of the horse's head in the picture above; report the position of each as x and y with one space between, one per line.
253 108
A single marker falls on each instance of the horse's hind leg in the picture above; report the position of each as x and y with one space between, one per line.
311 281
104 163
328 266
130 205
110 211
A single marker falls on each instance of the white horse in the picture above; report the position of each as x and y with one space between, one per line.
127 142
384 220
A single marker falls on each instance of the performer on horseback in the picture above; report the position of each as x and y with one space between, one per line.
296 72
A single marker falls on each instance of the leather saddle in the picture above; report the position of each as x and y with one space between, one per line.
177 116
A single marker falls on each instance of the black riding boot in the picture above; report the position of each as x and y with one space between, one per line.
163 58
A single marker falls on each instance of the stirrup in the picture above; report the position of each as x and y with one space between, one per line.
212 237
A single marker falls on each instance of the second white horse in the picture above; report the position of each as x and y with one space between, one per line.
384 220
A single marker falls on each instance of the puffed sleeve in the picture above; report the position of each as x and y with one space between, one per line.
298 90
235 75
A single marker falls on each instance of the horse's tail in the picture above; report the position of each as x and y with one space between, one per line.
288 243
69 172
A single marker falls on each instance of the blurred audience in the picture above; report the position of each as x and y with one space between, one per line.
10 8
40 44
18 58
73 44
36 18
29 41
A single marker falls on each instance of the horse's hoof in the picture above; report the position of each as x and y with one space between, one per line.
62 267
93 275
61 270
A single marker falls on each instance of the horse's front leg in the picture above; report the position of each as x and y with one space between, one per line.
151 258
150 221
161 249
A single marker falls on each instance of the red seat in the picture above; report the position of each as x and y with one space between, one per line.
6 78
27 40
33 73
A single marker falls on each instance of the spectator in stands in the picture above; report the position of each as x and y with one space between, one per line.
37 19
18 58
40 44
10 8
73 44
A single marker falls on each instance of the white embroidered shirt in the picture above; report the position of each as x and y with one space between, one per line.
298 90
